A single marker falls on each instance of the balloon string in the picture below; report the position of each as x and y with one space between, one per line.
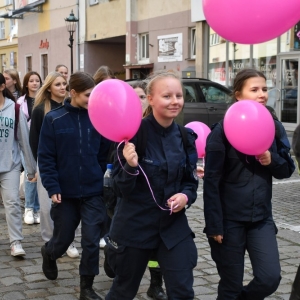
137 173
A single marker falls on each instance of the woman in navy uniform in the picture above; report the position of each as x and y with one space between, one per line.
139 225
237 202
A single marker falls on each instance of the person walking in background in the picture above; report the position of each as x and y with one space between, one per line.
13 82
141 224
63 70
104 73
72 160
50 96
13 137
31 83
237 202
295 294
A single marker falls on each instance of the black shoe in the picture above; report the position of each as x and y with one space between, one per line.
49 265
86 290
156 292
108 270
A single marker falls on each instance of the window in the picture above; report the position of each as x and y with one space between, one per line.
2 30
44 66
13 60
92 2
28 64
12 24
7 2
3 62
214 94
214 39
193 43
144 46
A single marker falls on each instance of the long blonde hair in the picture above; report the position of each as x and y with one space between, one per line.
151 79
43 95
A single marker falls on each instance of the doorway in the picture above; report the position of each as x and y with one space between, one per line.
287 105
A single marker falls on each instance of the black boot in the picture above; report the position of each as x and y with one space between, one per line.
295 295
155 290
86 290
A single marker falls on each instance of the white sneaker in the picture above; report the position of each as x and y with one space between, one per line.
36 217
102 243
16 249
72 251
28 216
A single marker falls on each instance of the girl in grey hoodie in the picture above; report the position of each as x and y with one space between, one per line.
13 138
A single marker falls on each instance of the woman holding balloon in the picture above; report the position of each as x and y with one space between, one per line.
238 191
152 217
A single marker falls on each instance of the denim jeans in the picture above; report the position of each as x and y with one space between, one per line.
31 196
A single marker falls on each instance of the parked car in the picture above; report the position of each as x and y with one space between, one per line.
205 101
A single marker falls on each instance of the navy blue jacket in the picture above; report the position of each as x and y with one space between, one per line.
236 186
138 221
71 154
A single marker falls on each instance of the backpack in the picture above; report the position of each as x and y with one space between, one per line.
17 114
110 196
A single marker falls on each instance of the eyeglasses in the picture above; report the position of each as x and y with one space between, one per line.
142 97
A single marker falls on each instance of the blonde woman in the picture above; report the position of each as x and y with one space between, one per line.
50 96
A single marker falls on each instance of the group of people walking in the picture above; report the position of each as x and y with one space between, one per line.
155 179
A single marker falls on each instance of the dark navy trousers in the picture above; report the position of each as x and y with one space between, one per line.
66 216
129 265
259 239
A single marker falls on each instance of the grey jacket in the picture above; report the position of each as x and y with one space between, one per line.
10 147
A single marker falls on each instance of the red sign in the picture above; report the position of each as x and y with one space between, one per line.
44 44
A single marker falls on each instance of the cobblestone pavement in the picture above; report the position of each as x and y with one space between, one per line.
22 278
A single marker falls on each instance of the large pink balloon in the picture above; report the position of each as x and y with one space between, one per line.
249 127
202 131
251 21
115 110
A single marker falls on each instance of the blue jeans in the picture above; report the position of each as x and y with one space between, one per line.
31 196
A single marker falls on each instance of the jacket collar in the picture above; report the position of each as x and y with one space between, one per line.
70 108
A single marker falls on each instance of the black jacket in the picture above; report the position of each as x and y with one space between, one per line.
72 154
138 221
236 186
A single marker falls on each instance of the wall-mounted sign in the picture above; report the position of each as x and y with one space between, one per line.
170 47
44 44
22 3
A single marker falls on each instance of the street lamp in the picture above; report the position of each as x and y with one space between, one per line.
71 21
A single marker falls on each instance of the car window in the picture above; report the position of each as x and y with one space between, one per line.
190 93
214 94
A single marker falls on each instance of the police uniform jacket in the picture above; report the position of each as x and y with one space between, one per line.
71 154
138 221
236 186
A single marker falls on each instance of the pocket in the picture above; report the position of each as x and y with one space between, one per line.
115 256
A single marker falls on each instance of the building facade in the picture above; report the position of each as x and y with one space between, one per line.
8 38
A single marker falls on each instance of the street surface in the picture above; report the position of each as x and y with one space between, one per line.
22 278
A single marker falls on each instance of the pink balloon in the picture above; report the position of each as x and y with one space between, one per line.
251 21
249 127
202 131
115 110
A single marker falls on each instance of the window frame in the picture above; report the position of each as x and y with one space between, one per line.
193 42
144 46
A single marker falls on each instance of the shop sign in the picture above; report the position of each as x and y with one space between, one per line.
44 44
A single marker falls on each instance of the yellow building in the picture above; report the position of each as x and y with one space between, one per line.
8 37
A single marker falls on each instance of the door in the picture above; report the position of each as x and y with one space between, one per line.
287 106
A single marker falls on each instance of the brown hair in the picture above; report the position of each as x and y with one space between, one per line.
15 76
241 78
81 81
104 72
27 76
43 95
152 79
6 92
60 65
